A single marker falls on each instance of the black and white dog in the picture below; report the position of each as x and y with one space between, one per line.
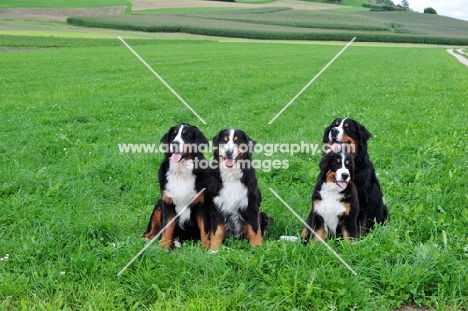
180 179
335 203
350 135
233 190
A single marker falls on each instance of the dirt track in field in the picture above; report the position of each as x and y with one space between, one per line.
59 15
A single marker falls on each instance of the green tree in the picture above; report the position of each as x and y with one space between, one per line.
430 10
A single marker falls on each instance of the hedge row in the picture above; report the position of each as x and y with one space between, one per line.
272 34
382 7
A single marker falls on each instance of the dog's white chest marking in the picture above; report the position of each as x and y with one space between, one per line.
233 195
180 187
330 206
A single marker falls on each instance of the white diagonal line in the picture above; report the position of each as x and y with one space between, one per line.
160 232
311 81
162 80
316 235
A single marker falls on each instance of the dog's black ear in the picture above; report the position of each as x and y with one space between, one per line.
364 134
351 162
215 145
201 139
363 137
165 138
324 162
252 143
326 132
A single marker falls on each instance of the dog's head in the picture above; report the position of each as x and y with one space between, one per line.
346 135
184 142
232 146
337 168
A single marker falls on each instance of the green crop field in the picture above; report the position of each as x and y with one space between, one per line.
288 24
73 207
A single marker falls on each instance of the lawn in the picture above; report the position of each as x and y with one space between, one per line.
74 208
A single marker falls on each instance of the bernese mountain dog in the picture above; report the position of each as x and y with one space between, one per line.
233 190
335 203
180 179
350 136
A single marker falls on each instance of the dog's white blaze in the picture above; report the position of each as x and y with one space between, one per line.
178 139
229 146
330 206
340 131
180 187
342 170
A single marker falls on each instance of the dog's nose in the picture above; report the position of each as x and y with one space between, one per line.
344 176
229 153
334 132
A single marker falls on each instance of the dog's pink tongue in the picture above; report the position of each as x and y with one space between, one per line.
229 162
176 157
341 184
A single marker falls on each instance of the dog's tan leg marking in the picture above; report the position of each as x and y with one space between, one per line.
155 224
305 233
321 233
167 199
205 240
217 237
255 238
199 199
168 234
346 236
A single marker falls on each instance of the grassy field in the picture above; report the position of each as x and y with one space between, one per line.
74 208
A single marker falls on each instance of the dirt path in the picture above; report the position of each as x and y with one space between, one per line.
460 58
60 15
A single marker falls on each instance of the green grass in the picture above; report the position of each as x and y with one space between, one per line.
61 3
71 202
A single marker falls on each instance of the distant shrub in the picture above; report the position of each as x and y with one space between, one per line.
430 11
382 7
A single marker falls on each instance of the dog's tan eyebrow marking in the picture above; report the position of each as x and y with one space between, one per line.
347 162
337 123
184 132
338 160
226 138
236 138
346 125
